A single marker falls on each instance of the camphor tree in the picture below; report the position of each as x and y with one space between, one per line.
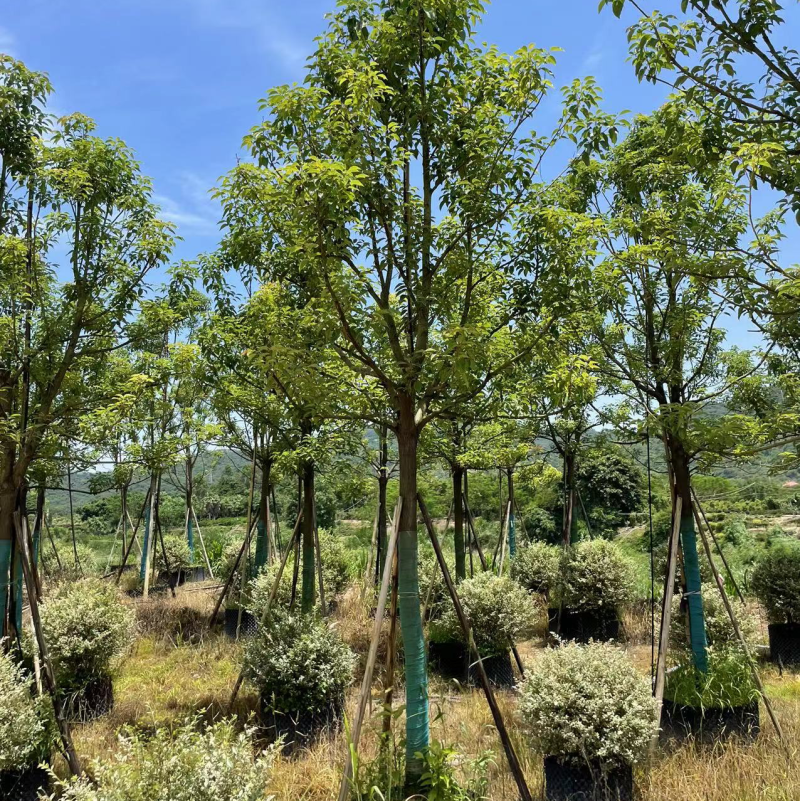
672 220
387 185
62 191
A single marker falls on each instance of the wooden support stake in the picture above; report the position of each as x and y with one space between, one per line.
49 676
666 612
272 595
202 542
322 605
508 746
391 649
366 682
430 586
228 583
503 535
753 669
475 539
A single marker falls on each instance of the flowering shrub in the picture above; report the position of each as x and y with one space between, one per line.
298 662
776 582
26 728
179 765
588 702
178 556
595 576
499 611
535 567
87 627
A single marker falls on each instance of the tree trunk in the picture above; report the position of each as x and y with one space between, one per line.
458 523
417 728
307 592
262 557
512 521
383 481
569 495
189 521
691 563
38 523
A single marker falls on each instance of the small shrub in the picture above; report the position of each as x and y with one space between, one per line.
180 765
337 566
432 586
26 726
298 662
260 588
776 582
728 681
70 571
178 556
719 629
735 531
588 702
539 524
499 611
535 567
87 628
595 576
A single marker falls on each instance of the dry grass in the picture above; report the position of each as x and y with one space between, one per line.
167 678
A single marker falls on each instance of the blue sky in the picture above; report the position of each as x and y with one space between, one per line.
179 80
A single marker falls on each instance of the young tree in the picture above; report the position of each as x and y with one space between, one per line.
431 295
83 196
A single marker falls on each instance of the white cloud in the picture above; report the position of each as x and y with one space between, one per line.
188 218
7 42
260 19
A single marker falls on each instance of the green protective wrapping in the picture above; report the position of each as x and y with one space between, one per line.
190 537
5 576
691 564
417 725
262 546
18 593
512 536
145 544
308 578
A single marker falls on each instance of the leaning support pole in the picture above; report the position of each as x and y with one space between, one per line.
322 605
666 612
272 595
366 682
49 676
475 539
508 747
228 583
753 669
132 539
202 542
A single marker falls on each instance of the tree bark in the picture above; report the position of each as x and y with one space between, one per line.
512 521
569 495
263 555
383 481
307 593
458 523
417 725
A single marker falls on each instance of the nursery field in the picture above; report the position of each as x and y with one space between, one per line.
178 669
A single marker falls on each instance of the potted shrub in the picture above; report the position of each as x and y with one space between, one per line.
591 715
237 604
776 583
536 567
218 762
500 612
301 669
337 567
176 567
26 733
712 706
596 580
87 628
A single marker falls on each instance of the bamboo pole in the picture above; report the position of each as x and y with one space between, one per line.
430 586
666 612
366 682
133 537
752 665
508 746
202 542
148 549
503 536
323 606
49 676
475 539
272 595
229 581
391 649
372 546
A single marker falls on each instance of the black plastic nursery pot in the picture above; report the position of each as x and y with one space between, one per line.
578 780
248 626
172 578
92 701
449 659
784 643
583 626
498 670
709 725
194 573
299 728
24 784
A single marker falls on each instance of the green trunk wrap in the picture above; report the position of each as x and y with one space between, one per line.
512 536
417 728
697 628
5 576
190 538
